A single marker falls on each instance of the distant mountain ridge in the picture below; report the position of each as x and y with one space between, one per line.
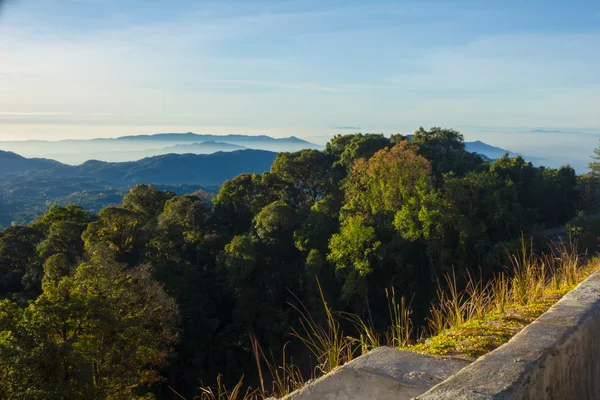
209 146
487 150
136 147
167 169
198 155
493 152
203 137
131 148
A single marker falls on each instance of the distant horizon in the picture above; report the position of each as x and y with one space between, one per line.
129 130
558 145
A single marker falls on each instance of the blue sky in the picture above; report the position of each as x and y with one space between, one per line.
91 68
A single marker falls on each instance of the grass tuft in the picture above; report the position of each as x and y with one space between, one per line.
327 343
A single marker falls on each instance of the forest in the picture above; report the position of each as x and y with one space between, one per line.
164 292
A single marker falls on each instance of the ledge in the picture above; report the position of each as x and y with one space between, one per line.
381 374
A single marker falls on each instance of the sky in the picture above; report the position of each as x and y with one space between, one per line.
106 68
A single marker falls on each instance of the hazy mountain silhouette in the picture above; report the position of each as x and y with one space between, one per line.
493 152
209 146
131 148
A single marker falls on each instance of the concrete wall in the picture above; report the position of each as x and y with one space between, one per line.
383 373
556 357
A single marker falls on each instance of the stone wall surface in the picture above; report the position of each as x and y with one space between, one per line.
556 357
383 373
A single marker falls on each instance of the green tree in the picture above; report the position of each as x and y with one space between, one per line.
71 213
310 173
318 226
242 197
20 266
182 254
146 199
594 164
349 148
383 184
445 148
101 334
123 231
62 237
352 251
275 222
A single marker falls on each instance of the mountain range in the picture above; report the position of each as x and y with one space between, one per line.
208 162
132 148
29 185
199 169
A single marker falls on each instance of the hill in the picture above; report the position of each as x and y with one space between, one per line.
11 162
492 152
487 150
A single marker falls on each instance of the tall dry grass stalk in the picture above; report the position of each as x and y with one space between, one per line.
450 309
566 264
285 376
401 328
326 342
367 337
529 274
477 297
499 290
221 392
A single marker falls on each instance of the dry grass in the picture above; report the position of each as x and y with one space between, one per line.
285 376
476 320
221 392
531 279
326 342
401 327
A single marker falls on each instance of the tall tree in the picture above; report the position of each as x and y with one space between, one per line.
310 173
146 199
123 231
594 164
100 334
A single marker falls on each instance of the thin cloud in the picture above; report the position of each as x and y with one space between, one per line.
41 113
282 85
